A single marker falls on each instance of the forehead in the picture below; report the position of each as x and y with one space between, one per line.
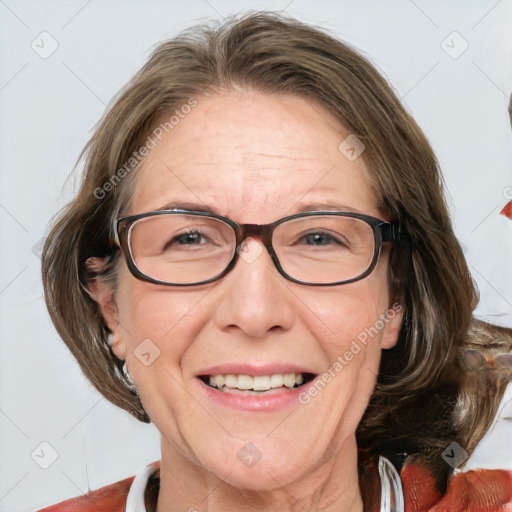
253 157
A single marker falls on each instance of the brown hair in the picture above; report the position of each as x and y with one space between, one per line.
414 406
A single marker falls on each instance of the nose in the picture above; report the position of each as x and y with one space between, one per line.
255 298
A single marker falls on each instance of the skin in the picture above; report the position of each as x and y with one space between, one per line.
254 158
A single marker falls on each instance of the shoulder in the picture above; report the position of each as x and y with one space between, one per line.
481 490
111 498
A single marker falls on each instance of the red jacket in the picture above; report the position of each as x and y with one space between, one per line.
111 498
482 490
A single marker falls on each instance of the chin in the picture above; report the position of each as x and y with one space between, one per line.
259 465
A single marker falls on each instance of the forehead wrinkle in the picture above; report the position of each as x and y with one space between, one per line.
245 170
252 157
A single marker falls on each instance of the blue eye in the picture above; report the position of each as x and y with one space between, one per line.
189 238
321 239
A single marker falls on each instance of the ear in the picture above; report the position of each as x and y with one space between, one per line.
101 291
393 321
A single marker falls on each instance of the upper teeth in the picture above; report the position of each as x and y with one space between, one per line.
257 383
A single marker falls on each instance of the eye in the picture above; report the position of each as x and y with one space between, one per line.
321 238
188 238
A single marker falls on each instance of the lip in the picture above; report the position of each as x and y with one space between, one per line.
277 401
254 369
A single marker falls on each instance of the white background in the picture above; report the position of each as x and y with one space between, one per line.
48 109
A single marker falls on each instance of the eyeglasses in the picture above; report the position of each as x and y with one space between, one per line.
185 248
475 361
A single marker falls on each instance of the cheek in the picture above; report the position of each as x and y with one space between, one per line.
168 318
340 314
158 327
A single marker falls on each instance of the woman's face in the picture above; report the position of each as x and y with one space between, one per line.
254 158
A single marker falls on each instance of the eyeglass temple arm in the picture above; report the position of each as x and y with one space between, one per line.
394 233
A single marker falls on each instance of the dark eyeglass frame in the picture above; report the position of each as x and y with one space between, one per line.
383 232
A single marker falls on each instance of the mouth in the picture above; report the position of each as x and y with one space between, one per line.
258 384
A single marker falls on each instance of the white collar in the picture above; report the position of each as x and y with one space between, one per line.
135 499
392 497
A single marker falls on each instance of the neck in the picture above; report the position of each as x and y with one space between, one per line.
330 486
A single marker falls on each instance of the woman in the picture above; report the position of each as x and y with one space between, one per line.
260 261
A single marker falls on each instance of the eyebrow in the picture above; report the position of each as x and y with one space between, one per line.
326 206
299 208
190 206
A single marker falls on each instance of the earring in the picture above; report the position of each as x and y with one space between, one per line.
131 384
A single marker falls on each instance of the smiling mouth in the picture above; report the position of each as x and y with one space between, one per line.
258 384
